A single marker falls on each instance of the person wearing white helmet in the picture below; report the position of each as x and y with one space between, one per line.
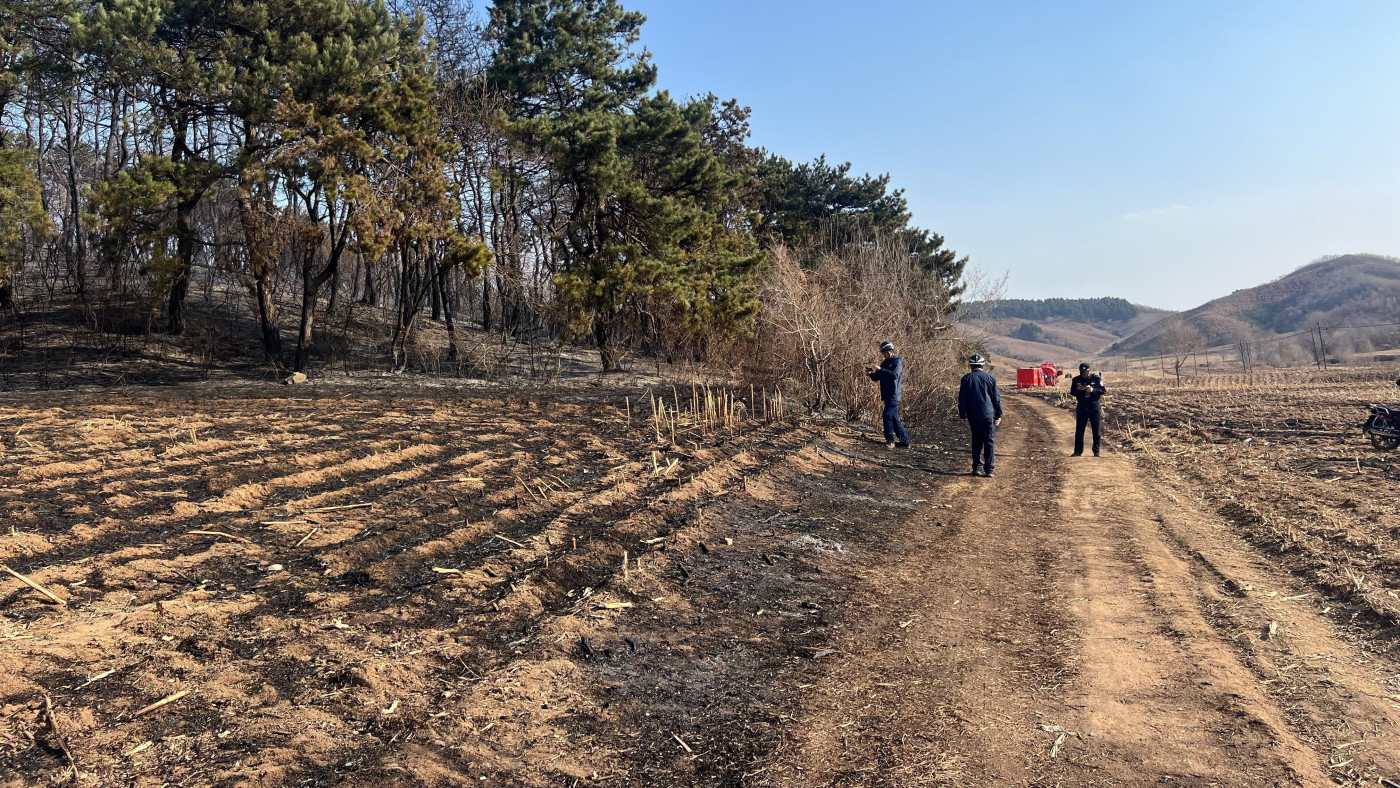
890 374
979 407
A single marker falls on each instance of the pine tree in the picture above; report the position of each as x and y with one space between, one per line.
168 54
427 241
30 32
823 204
642 239
355 102
804 202
22 216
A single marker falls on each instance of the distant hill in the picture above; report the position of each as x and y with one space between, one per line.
1353 289
1071 309
1062 330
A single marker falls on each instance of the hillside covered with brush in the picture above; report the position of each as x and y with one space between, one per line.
1348 290
1063 330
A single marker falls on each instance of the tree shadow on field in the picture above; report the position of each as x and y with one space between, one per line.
710 674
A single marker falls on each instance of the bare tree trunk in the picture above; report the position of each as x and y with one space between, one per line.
605 336
184 228
335 291
184 255
371 296
355 280
271 337
7 289
304 334
398 344
309 288
442 278
485 301
77 260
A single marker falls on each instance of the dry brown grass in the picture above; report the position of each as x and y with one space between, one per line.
826 314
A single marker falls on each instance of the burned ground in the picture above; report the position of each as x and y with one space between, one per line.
359 588
336 585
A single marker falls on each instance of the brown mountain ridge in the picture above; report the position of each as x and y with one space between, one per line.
1065 331
1345 290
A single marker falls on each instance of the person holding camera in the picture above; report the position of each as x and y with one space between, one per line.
1087 388
890 375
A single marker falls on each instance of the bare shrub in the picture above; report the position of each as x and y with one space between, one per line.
825 311
1296 352
1180 342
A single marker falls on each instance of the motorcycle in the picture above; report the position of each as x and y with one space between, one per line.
1383 425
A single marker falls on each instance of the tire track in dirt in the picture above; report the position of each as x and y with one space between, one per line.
960 646
1178 675
1159 694
1055 633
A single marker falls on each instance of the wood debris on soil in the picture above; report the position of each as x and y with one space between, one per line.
48 595
166 701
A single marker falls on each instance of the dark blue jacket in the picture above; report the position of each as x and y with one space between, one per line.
891 377
1088 399
979 397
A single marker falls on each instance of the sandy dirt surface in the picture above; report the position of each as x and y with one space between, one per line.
798 605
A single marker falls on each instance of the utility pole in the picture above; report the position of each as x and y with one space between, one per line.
1322 342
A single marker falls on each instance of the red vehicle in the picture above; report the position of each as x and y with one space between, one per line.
1046 374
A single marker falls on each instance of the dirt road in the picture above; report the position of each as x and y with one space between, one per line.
1077 623
452 590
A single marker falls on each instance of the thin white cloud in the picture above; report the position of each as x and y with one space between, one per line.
1156 212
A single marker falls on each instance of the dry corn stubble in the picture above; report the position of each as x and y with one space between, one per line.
1281 455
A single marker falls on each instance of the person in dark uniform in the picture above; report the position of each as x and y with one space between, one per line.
979 407
890 374
1087 388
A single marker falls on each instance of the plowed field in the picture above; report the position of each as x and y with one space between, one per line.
321 582
323 586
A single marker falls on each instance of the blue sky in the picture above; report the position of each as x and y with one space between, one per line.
1165 152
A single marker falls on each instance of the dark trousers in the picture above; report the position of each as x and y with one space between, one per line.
1091 417
984 443
894 428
